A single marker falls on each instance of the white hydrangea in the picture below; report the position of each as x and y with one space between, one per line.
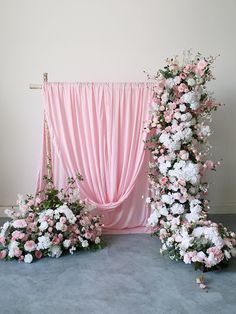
153 219
64 209
11 248
43 226
66 243
167 199
55 251
177 208
44 242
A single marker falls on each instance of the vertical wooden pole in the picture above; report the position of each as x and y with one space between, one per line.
48 142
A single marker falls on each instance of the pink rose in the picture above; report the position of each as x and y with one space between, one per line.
30 203
163 180
63 220
64 228
3 254
51 222
158 88
183 154
2 240
183 88
30 246
32 227
183 76
172 106
164 98
19 223
38 200
168 119
38 254
187 68
55 241
17 252
209 164
17 235
202 64
162 108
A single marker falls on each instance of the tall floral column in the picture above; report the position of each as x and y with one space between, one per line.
178 133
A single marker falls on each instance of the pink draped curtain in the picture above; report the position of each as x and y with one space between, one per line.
97 129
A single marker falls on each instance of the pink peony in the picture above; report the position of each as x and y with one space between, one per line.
30 246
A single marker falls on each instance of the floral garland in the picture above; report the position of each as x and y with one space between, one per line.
50 224
177 138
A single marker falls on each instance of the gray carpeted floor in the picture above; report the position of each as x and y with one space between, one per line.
127 277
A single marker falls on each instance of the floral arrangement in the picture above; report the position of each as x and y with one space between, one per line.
50 224
178 132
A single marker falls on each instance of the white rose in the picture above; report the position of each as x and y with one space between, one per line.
97 240
191 82
28 258
85 243
66 243
227 254
43 226
182 108
59 225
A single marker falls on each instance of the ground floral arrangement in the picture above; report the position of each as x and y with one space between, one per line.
52 223
178 134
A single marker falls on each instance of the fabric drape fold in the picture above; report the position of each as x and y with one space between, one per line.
97 129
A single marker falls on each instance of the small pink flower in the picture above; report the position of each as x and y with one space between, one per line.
38 254
183 88
3 254
183 154
50 229
51 222
63 220
187 68
172 106
38 200
162 108
168 119
163 180
56 241
64 228
209 164
202 64
30 203
30 246
2 240
183 76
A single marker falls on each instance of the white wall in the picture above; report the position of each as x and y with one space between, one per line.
107 40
